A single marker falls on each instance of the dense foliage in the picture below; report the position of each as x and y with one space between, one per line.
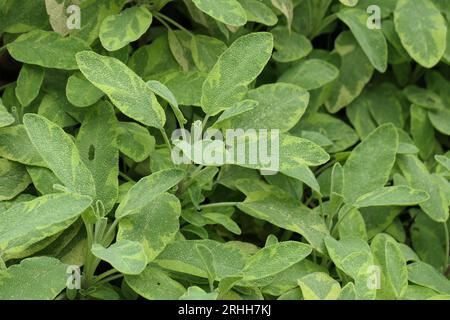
93 205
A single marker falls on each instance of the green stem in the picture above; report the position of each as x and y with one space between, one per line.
106 274
176 24
447 246
348 209
164 23
110 231
89 256
109 279
123 175
219 205
325 167
166 139
205 122
5 86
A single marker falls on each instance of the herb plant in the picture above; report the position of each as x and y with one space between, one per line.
94 206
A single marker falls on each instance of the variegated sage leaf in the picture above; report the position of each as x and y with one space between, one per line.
153 225
239 65
13 179
370 164
319 286
116 31
37 278
97 144
60 154
29 222
147 189
229 12
29 83
372 41
127 91
128 257
422 30
47 49
274 259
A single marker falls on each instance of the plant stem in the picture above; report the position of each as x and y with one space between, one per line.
123 175
109 279
89 256
166 139
164 23
5 86
110 231
205 122
447 246
176 24
106 274
219 205
333 231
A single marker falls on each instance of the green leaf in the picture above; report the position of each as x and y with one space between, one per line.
29 83
418 177
153 225
127 91
372 41
425 275
287 213
38 278
13 179
227 11
96 142
351 80
289 46
182 256
60 154
342 135
116 31
353 256
239 108
16 146
23 16
392 196
77 83
147 189
422 131
287 9
5 117
135 141
161 90
236 68
397 272
370 163
428 239
178 50
319 286
349 3
208 262
47 49
196 293
422 30
185 86
310 74
444 161
257 11
291 102
127 257
155 284
206 51
29 222
274 259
